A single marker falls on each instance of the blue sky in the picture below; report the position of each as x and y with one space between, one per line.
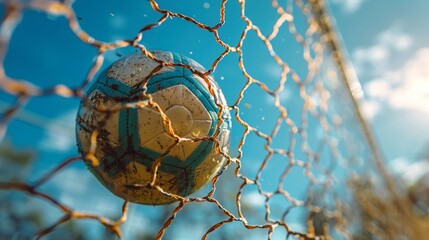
385 40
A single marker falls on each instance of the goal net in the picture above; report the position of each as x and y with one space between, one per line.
299 145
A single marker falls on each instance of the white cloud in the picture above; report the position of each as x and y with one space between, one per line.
60 135
417 67
378 88
374 55
409 172
117 20
135 222
402 88
415 171
254 199
78 183
398 165
74 180
370 109
273 70
395 38
297 227
406 88
374 59
284 96
349 6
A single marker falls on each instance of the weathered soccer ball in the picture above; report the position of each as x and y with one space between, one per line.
132 135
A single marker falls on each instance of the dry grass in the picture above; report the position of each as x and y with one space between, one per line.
387 216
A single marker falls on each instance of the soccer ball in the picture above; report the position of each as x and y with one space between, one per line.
126 105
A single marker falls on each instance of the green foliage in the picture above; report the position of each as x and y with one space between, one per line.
10 154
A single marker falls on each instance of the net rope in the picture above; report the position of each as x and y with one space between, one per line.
327 210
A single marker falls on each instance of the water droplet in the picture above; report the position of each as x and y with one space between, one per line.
222 78
206 5
190 52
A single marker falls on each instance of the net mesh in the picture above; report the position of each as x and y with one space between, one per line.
297 137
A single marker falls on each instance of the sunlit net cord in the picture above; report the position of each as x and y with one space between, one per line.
314 45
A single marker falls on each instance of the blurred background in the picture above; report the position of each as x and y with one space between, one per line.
388 49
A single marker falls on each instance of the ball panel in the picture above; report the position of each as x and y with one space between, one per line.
110 131
83 138
150 124
134 187
195 65
200 128
189 148
194 105
218 94
189 84
224 138
200 80
207 169
178 152
195 158
114 88
131 70
91 118
181 95
109 128
84 143
160 144
168 97
180 120
212 163
203 95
